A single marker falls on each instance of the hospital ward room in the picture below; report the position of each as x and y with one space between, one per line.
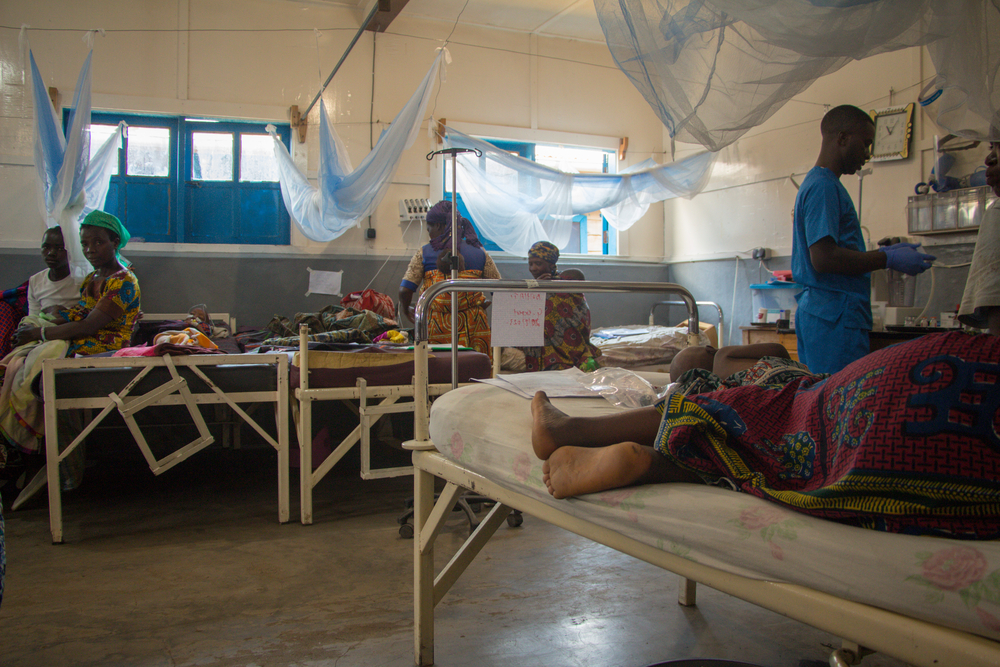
563 333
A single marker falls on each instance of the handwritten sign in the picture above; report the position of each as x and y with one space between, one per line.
324 282
518 319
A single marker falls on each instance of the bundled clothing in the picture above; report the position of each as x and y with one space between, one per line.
22 419
333 324
903 440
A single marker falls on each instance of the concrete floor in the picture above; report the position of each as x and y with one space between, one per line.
192 568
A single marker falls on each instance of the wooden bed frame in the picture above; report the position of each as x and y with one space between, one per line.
863 628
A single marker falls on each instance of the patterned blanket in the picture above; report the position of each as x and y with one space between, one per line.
903 440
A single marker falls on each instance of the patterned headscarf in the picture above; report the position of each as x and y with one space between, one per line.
440 214
112 224
545 251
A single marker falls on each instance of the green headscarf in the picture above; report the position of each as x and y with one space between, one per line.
111 223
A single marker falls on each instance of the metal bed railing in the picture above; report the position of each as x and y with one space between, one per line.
420 417
718 308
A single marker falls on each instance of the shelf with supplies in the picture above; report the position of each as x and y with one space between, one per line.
958 210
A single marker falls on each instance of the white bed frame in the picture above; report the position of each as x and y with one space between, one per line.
173 392
368 415
863 628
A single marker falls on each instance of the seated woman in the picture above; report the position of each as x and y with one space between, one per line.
423 271
902 440
567 318
102 321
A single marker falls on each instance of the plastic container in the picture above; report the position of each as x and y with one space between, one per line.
777 298
902 288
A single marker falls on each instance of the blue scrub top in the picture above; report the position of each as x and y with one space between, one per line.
823 208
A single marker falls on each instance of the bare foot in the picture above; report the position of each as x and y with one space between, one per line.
548 426
574 471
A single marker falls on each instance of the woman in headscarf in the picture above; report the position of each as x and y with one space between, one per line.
102 321
567 318
423 271
109 297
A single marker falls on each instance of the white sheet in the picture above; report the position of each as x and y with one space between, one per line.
948 582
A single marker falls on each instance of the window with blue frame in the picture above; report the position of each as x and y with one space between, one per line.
591 233
189 180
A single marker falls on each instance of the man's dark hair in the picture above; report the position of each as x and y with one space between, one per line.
845 118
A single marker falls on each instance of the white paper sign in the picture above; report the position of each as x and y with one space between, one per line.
518 319
324 282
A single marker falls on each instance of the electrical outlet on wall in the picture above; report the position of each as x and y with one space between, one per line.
761 253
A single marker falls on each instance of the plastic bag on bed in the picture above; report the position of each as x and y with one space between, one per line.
621 387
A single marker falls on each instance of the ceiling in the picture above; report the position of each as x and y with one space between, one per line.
571 19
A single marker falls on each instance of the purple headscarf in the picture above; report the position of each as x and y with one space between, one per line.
440 214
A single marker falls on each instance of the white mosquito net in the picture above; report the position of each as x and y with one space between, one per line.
713 69
344 195
71 182
516 202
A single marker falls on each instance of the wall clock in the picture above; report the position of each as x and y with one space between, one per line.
893 129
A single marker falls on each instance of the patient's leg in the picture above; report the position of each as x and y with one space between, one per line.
552 428
574 471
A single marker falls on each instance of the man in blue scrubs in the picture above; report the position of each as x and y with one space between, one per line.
829 259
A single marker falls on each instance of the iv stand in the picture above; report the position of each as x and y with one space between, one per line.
453 152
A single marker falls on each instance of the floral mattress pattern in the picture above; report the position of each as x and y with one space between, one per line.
948 582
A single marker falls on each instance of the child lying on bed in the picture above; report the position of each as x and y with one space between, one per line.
903 440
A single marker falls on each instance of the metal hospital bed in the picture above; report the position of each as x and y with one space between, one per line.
862 626
712 304
128 385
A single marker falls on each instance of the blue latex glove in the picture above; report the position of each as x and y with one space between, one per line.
904 257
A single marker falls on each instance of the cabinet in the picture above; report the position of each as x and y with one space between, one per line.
769 333
764 333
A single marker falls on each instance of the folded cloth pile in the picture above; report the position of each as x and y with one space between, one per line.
188 336
164 349
393 336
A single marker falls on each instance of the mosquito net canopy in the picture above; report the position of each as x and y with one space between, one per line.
713 69
72 179
344 195
516 202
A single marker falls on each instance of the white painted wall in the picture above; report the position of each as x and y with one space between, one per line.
750 198
253 59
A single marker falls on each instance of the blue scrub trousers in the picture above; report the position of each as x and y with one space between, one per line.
827 347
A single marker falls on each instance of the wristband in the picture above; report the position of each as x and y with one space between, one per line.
42 330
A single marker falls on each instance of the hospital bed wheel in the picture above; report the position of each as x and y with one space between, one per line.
514 519
406 531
